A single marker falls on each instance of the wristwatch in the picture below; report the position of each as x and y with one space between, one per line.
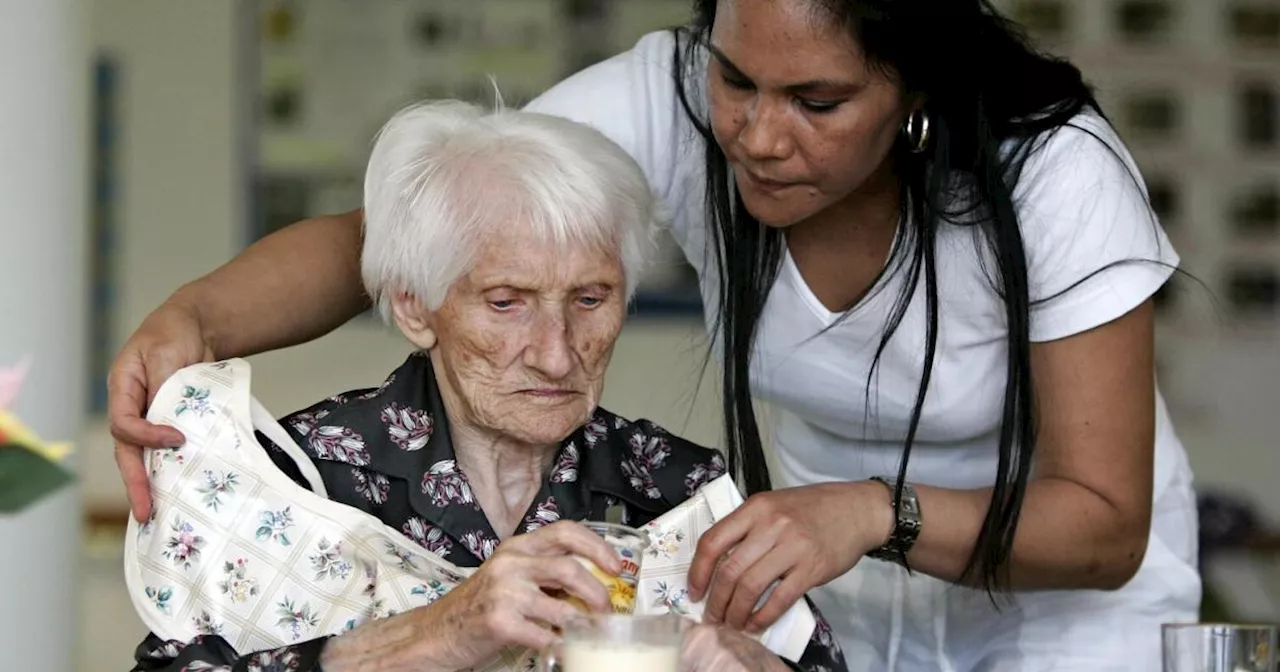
905 529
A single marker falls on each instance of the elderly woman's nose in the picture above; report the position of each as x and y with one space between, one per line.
550 351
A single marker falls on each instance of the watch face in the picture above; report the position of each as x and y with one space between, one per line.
906 528
910 505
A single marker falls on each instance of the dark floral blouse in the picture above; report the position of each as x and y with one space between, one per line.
387 451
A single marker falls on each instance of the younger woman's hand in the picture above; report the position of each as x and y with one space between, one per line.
169 339
798 538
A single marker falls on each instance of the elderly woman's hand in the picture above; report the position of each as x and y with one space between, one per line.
710 648
507 602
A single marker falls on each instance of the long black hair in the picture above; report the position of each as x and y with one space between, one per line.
992 100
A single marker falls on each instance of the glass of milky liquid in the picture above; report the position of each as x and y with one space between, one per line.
617 643
630 544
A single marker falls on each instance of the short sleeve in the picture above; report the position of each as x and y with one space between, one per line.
1095 250
631 98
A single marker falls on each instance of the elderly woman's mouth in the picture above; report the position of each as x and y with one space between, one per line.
550 393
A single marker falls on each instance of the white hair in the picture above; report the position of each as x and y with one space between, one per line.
444 174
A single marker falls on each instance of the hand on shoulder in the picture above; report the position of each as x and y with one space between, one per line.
169 339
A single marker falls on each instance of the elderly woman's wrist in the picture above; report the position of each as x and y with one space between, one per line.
396 643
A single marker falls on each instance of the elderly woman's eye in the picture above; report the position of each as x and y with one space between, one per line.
590 301
503 304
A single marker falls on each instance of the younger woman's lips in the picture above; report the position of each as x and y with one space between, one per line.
766 184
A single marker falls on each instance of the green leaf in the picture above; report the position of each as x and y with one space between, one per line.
27 477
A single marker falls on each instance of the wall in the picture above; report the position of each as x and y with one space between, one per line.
177 203
179 196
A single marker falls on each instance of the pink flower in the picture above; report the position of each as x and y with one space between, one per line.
11 381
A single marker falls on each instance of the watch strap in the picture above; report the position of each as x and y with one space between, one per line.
906 526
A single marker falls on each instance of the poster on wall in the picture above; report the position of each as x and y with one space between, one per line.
329 73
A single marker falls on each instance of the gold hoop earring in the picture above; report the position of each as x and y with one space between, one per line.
917 131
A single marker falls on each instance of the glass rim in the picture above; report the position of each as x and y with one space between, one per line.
1220 626
618 529
614 617
611 626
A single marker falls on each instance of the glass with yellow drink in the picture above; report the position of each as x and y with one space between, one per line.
630 544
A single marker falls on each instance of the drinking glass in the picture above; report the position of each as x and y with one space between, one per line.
617 643
1220 647
630 545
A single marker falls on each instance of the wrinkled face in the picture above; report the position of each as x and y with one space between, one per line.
524 339
802 119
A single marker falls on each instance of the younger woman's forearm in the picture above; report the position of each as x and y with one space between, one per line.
1069 537
292 286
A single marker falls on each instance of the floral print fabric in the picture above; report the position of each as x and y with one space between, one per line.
386 451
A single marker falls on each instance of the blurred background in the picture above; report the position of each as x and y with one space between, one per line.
145 142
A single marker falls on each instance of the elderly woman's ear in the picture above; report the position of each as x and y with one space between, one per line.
414 320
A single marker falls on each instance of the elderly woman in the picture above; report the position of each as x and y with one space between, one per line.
505 247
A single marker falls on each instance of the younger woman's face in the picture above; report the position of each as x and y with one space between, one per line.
802 118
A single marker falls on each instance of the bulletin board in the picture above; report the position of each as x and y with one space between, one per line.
328 74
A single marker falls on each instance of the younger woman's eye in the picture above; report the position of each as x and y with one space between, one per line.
735 82
818 106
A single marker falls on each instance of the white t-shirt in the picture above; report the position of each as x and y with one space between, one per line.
1079 210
